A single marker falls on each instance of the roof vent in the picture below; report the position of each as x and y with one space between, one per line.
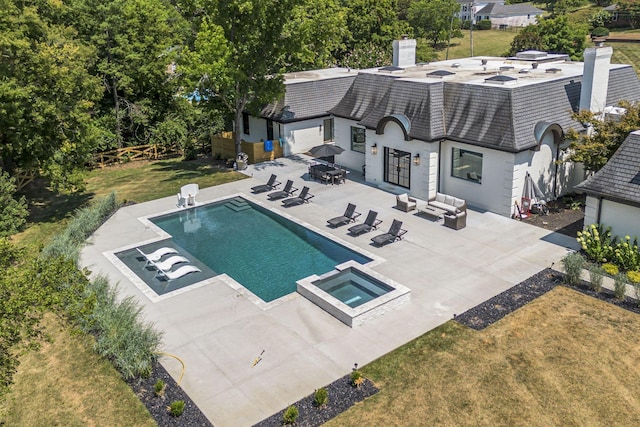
553 70
440 74
391 69
506 68
456 65
524 71
500 80
531 55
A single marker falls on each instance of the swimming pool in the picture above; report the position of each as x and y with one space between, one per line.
258 248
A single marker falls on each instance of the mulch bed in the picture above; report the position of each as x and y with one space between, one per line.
563 217
494 309
157 406
342 396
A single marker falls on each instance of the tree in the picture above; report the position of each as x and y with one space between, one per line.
367 55
372 22
239 55
631 10
556 35
46 94
436 20
13 212
596 148
136 42
318 28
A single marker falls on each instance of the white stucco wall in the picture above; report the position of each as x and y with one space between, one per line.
302 136
514 21
348 158
422 177
495 191
624 220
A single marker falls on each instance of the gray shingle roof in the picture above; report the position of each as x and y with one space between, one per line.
296 105
495 116
619 179
496 9
363 96
421 103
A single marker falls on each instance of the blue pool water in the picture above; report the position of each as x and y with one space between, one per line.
352 287
263 251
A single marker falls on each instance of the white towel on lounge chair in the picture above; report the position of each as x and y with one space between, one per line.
180 272
156 255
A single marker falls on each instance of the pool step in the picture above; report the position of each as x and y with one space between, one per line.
238 204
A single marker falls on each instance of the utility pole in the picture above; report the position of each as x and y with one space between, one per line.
471 28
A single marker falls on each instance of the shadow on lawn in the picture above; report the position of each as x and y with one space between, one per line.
45 205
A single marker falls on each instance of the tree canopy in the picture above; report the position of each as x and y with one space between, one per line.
435 20
596 148
555 34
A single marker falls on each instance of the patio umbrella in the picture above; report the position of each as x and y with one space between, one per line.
325 150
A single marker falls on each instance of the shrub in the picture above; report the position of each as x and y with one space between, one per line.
356 378
595 277
321 397
634 277
619 286
626 254
610 269
121 335
176 408
290 415
485 24
597 243
573 264
85 221
159 388
599 32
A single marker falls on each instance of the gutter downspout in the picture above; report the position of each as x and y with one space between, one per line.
555 175
599 216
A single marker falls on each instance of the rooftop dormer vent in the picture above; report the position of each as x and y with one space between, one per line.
500 80
553 70
439 74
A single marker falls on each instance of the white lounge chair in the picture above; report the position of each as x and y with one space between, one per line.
156 255
180 272
189 192
168 263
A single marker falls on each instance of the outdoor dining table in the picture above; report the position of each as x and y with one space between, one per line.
318 170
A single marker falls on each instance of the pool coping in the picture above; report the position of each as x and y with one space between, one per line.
224 278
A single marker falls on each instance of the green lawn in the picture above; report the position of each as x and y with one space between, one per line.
485 43
564 359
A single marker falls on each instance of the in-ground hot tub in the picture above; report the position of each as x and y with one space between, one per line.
353 293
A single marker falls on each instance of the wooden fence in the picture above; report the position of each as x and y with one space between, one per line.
223 146
23 178
135 153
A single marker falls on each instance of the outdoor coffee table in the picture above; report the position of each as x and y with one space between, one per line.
431 211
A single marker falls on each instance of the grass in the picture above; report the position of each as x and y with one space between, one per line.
564 359
67 384
133 182
626 53
485 43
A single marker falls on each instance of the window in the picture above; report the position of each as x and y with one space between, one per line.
269 129
467 165
358 138
397 167
245 123
328 130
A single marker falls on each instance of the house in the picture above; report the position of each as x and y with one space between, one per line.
501 15
613 193
620 19
469 127
504 16
300 120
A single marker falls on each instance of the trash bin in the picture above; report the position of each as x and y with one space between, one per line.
242 160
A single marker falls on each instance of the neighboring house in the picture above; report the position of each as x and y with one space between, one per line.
613 193
507 16
502 15
300 120
468 127
619 19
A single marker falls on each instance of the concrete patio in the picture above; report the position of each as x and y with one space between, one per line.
218 332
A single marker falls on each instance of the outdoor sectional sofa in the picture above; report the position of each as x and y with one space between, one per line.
456 216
